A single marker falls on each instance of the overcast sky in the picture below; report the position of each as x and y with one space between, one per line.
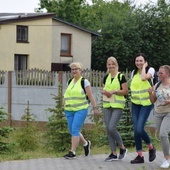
30 5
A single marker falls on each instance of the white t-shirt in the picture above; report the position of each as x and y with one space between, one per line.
86 83
151 71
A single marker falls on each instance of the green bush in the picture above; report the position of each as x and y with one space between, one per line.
26 137
58 137
4 133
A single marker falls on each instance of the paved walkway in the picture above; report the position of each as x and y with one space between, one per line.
93 162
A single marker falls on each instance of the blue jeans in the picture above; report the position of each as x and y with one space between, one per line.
140 115
75 120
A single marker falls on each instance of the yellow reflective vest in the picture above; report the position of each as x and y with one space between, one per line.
74 96
139 91
119 100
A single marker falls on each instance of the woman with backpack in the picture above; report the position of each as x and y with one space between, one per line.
114 90
76 108
160 95
141 105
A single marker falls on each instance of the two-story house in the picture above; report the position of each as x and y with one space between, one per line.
42 41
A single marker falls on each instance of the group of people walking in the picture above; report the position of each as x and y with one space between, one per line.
143 95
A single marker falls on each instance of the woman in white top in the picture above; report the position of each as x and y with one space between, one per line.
160 95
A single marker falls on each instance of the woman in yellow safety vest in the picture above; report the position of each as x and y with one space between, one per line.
141 105
76 108
114 89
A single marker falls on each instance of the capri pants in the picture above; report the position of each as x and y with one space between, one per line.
75 120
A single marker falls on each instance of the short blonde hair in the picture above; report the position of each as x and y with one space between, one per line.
113 59
76 64
166 68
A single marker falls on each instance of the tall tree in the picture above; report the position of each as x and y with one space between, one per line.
68 10
125 28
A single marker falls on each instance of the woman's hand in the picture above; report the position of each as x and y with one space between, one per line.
106 93
166 102
145 64
150 90
96 111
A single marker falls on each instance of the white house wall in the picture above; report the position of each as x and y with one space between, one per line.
81 45
39 48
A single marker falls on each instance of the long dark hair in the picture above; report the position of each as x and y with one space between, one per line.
145 58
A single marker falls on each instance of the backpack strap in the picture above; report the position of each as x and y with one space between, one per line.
157 85
69 81
82 84
119 78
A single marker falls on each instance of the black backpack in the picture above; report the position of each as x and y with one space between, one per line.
82 85
154 80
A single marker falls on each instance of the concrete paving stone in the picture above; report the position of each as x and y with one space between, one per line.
92 162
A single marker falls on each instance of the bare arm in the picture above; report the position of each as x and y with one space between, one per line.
152 94
144 75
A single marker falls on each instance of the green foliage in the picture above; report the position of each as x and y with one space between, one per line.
4 133
26 137
68 10
57 134
3 115
125 126
125 29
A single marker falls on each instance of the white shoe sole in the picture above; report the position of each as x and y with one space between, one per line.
125 154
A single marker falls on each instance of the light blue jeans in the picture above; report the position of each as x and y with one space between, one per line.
75 120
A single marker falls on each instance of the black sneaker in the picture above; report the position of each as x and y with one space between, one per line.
70 155
87 148
152 154
111 157
137 160
122 153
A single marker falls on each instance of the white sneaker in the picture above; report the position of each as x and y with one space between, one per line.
165 164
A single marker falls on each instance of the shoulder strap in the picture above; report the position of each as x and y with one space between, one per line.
70 80
120 78
82 84
119 75
157 85
105 77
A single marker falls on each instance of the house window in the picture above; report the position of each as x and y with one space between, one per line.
22 33
20 62
65 45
